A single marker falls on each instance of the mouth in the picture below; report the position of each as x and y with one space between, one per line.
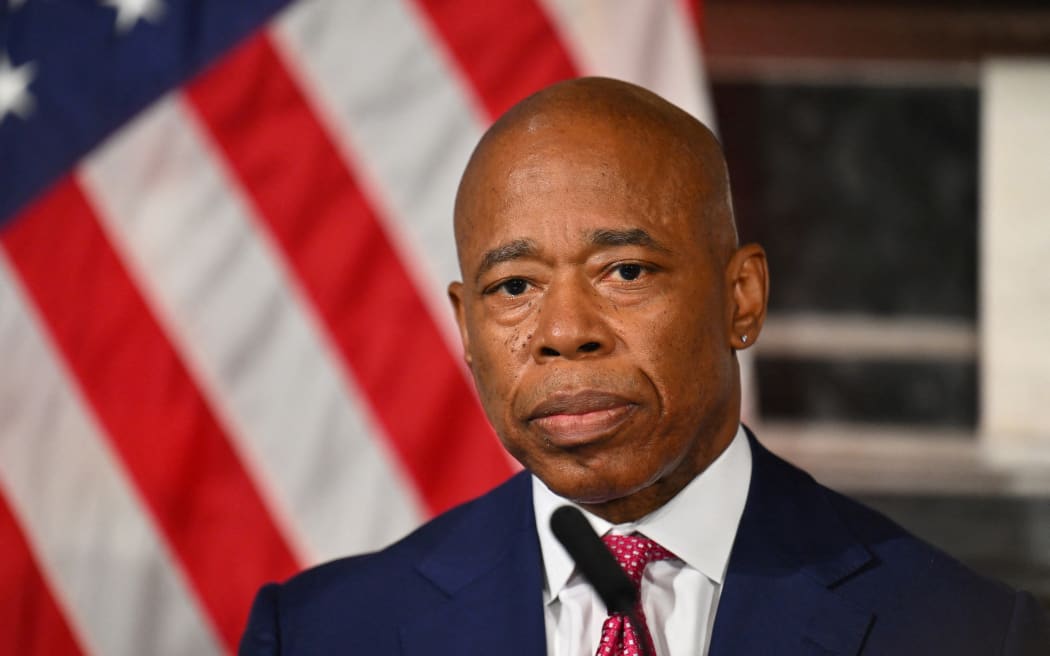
577 418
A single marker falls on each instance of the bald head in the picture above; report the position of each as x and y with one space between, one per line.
586 114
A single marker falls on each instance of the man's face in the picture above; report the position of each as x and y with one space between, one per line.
593 316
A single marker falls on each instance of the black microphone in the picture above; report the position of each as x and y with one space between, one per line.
593 559
596 563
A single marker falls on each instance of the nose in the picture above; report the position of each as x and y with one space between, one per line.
571 323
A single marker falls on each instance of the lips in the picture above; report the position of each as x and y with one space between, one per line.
574 418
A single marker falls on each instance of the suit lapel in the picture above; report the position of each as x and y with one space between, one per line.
790 551
489 568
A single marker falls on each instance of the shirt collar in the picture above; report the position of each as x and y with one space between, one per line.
698 525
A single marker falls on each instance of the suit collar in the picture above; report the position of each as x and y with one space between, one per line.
791 550
488 566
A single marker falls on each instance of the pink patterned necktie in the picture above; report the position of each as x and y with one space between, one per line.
619 635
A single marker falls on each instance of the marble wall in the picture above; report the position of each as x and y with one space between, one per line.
865 198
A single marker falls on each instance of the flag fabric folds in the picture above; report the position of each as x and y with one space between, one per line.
225 236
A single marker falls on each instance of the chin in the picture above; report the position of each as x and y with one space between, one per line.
587 486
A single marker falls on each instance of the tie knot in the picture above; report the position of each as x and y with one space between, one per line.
634 552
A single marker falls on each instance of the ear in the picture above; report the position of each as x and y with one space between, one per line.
747 282
455 295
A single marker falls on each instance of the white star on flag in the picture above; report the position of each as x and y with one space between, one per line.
14 88
130 12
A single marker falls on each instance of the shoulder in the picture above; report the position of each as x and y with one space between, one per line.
917 593
913 562
921 592
394 568
368 596
814 521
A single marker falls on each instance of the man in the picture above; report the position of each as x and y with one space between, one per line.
603 300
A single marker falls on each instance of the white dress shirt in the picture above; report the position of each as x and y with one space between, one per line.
679 596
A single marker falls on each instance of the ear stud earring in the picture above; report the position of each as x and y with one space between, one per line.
743 338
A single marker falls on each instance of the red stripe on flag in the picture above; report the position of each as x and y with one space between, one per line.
347 267
30 620
155 417
507 48
694 9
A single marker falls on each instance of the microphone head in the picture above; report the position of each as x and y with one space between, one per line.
593 559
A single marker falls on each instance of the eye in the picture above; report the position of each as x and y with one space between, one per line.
512 287
629 271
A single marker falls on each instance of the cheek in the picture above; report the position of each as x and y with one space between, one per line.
681 350
516 343
495 339
498 357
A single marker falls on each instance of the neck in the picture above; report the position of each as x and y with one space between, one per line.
635 506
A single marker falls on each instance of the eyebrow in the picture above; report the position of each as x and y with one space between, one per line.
512 250
520 248
632 237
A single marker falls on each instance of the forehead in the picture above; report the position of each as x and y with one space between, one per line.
565 184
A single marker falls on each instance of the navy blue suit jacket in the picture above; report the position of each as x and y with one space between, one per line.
811 572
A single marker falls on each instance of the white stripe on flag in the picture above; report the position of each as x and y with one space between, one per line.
652 44
232 309
402 118
112 575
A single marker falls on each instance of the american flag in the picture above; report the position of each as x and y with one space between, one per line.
225 235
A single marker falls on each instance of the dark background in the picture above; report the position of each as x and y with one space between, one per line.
852 131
